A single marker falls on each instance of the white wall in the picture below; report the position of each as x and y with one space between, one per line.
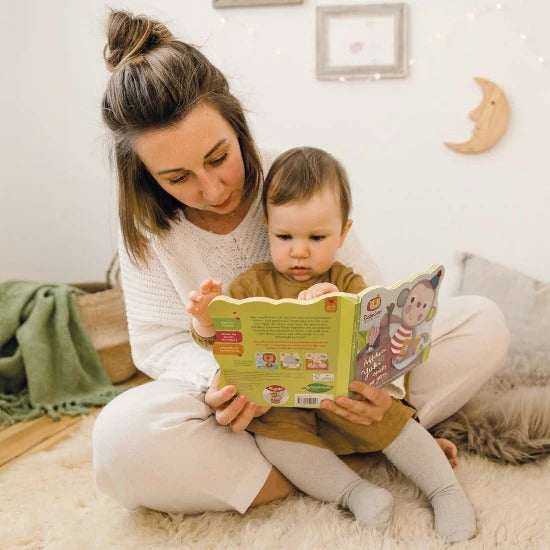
416 202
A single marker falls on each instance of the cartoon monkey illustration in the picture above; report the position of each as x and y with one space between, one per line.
417 304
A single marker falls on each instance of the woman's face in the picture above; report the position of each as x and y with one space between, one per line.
198 161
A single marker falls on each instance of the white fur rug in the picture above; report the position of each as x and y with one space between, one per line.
509 418
48 501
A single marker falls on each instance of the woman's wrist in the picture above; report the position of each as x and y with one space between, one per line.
204 330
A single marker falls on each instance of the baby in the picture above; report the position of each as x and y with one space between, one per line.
306 199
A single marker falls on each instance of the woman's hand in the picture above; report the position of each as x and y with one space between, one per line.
378 401
317 290
230 409
198 305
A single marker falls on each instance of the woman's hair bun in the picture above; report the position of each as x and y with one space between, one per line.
130 36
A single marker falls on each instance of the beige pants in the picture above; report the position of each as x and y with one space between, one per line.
156 447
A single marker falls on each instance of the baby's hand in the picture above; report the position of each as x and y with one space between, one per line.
198 303
317 290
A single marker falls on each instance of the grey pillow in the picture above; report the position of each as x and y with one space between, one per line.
524 301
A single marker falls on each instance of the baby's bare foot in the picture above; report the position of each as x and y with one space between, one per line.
450 450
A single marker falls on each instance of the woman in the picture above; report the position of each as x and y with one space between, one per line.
189 175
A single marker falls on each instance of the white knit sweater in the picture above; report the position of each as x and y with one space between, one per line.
156 294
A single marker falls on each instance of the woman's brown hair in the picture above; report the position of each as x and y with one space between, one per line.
157 80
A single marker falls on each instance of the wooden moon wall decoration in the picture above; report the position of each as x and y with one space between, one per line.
491 118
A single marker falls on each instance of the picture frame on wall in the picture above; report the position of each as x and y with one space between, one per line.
362 41
250 3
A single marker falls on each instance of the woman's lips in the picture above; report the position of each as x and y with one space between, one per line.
223 204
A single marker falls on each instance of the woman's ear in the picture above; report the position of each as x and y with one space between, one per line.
345 231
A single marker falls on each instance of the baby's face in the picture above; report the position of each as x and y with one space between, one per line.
305 236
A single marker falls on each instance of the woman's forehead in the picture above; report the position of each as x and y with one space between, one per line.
190 139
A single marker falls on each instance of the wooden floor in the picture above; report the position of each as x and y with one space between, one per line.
25 438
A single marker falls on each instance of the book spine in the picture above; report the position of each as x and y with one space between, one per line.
354 343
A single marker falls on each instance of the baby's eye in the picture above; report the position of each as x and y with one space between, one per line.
284 237
317 237
412 299
219 160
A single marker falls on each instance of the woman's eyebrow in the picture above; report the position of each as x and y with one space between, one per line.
221 142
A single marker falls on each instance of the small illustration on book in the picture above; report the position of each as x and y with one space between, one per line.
266 360
275 395
290 360
296 353
316 361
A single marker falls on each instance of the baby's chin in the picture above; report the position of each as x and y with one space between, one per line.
299 278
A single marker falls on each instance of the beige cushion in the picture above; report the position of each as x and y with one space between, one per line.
524 301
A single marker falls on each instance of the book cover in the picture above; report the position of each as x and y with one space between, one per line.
295 353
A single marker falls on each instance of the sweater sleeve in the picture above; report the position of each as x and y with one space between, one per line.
158 325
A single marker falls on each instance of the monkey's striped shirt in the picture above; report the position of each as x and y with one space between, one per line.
398 339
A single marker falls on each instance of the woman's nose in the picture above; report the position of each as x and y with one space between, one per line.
212 189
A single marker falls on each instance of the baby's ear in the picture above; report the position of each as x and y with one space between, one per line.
345 231
265 220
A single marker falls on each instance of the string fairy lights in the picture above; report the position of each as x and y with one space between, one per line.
471 17
495 8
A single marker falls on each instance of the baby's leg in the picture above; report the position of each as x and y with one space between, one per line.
321 474
417 455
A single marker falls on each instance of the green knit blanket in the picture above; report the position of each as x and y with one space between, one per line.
48 364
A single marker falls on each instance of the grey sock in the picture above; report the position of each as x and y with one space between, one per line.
321 474
371 505
417 455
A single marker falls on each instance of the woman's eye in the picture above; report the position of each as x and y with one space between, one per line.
412 299
219 160
179 179
317 237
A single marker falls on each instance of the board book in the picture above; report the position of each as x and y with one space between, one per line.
295 353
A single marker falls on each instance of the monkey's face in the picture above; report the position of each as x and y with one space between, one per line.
418 304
